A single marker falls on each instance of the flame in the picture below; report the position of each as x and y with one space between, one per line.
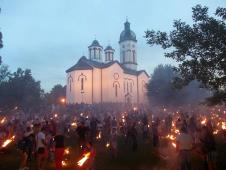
3 120
223 126
98 136
215 132
107 145
66 151
8 141
74 124
171 137
177 131
203 122
63 163
84 159
174 145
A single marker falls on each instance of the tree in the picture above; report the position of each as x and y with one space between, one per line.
21 91
56 95
200 50
161 91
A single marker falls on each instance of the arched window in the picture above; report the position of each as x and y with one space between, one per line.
131 87
124 56
70 81
82 84
95 54
134 56
116 90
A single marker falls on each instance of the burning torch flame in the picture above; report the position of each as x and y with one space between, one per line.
74 124
8 141
203 122
98 136
107 145
223 125
3 120
174 145
84 159
63 163
66 151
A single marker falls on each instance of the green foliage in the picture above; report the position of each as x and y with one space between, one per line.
199 49
20 91
57 93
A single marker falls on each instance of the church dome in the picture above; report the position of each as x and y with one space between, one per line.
95 43
109 48
127 33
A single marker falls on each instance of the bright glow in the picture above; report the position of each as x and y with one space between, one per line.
63 163
171 137
107 145
174 145
74 124
203 122
223 126
135 109
215 132
98 136
55 115
3 120
8 141
177 131
62 100
84 159
66 151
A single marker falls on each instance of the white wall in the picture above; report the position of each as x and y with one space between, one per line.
76 95
110 77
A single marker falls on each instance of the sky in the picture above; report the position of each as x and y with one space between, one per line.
49 36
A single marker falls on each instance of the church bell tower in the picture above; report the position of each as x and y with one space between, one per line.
128 47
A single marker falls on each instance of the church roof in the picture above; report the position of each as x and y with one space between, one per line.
95 43
80 65
109 48
86 64
127 33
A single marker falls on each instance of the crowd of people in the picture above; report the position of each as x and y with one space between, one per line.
42 137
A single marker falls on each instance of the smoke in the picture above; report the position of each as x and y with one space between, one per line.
162 93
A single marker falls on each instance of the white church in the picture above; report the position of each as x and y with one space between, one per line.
102 79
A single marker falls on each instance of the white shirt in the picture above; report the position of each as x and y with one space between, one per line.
39 140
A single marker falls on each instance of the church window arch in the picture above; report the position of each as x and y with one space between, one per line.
82 84
82 79
116 90
134 56
95 53
70 81
124 56
116 85
131 88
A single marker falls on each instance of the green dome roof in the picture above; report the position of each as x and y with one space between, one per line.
127 33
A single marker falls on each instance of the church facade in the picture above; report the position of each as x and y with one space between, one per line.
101 79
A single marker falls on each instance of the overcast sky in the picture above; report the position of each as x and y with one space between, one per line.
49 36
